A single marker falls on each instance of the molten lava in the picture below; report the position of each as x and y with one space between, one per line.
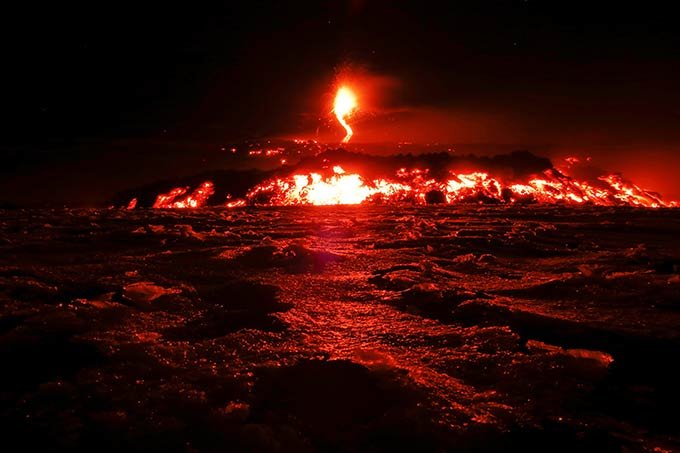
418 187
344 106
175 198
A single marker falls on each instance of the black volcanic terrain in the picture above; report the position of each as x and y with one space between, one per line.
366 328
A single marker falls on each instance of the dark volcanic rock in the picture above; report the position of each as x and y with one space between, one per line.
364 328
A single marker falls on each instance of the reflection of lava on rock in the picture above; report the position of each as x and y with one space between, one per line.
452 327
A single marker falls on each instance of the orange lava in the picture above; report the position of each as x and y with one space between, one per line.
176 199
418 187
344 106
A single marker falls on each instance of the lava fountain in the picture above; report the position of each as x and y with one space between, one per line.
344 106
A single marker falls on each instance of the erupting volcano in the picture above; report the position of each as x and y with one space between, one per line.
344 226
332 181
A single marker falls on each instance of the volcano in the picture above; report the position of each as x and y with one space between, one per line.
340 226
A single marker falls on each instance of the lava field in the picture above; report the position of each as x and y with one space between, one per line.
331 328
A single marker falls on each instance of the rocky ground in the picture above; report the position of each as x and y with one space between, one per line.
340 328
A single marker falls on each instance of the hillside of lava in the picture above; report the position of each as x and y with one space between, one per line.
339 177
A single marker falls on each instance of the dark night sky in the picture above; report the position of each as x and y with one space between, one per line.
567 73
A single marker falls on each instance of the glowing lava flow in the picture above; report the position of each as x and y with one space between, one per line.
418 187
195 199
345 104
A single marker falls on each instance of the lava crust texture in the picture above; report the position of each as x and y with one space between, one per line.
479 328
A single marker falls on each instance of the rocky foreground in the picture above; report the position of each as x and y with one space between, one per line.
340 328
